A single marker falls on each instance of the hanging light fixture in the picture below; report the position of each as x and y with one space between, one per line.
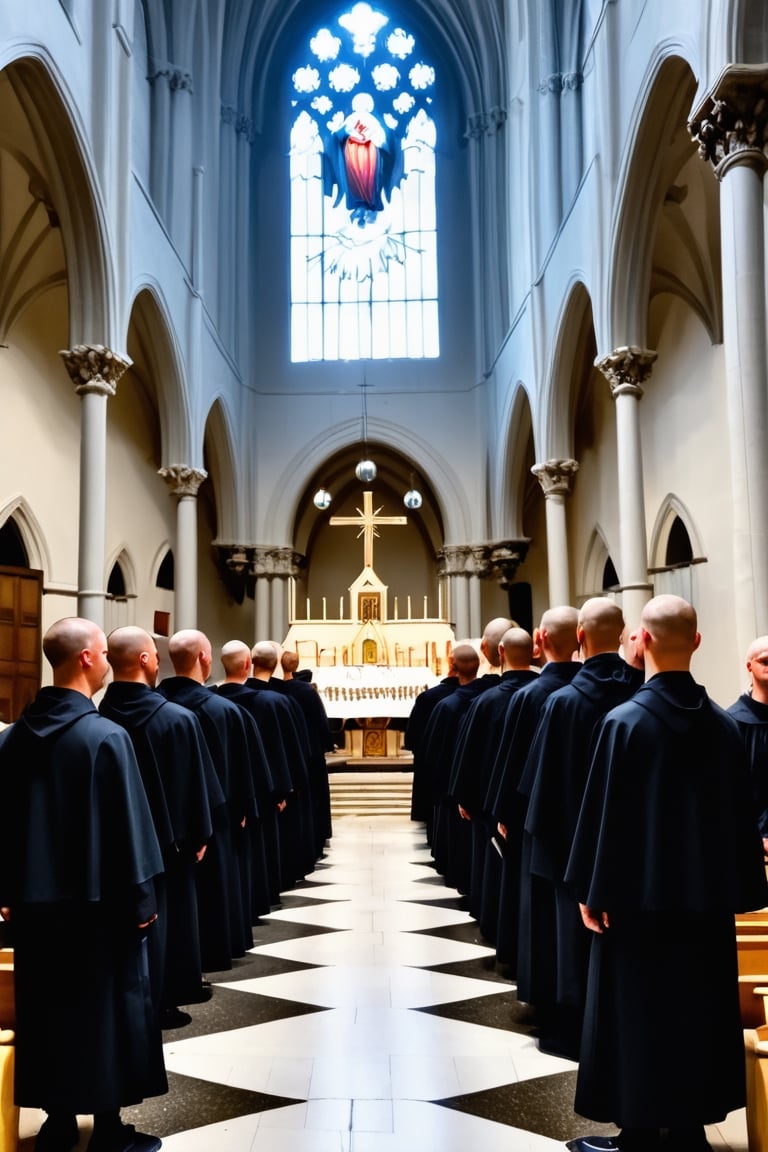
365 469
413 498
322 499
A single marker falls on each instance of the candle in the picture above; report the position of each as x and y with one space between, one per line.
425 607
396 617
307 607
409 607
341 607
324 608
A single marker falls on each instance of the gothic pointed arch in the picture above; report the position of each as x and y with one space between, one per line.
404 554
219 463
666 233
121 573
674 539
54 144
289 488
30 531
121 590
153 346
513 489
574 350
599 572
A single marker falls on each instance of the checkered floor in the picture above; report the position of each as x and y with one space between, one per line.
369 1017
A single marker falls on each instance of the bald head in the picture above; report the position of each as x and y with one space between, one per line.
236 660
516 649
264 657
758 647
66 639
600 627
133 655
556 633
489 645
289 662
466 661
668 634
757 666
190 653
76 649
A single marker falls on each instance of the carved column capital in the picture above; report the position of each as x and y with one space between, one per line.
730 126
503 559
271 561
485 123
183 480
94 368
497 560
179 80
452 560
260 560
556 476
626 368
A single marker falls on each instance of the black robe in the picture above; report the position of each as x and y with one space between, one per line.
320 742
421 793
271 780
298 847
752 719
451 845
473 760
506 805
224 874
77 856
555 776
666 844
182 788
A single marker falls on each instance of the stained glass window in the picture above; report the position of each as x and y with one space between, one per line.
362 172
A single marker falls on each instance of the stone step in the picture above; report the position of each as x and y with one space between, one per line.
370 793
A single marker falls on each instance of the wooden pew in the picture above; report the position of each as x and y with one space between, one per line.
9 1113
756 1053
752 949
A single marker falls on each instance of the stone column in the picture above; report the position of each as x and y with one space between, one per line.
184 483
730 127
452 564
556 478
272 566
95 371
626 369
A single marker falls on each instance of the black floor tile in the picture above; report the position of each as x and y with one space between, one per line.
193 1103
229 1008
543 1105
499 1010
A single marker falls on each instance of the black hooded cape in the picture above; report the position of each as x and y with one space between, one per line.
77 857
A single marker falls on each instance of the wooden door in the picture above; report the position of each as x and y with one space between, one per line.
21 595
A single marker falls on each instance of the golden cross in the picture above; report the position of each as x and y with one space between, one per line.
368 521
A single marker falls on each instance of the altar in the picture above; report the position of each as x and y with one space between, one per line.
371 660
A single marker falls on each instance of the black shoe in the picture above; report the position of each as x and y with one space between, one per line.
562 1046
593 1144
687 1140
57 1134
205 993
123 1138
174 1018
